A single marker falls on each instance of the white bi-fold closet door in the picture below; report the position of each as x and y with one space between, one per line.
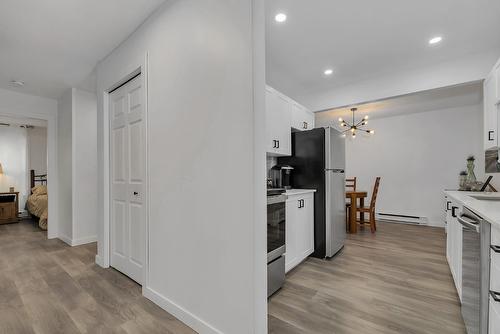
127 176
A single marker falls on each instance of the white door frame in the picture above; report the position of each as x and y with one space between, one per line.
106 247
52 173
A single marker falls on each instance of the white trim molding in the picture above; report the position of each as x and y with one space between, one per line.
180 313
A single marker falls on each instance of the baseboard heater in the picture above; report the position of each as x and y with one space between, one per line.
404 219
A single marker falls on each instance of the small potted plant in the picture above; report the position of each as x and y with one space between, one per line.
471 177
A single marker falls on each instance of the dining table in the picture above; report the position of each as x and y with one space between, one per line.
354 196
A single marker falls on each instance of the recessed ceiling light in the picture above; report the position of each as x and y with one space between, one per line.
328 71
16 83
280 17
435 40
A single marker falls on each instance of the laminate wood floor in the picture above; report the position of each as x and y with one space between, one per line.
47 287
394 281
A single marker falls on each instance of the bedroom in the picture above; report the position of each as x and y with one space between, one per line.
23 172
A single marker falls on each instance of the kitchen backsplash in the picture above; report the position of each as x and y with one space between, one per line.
271 161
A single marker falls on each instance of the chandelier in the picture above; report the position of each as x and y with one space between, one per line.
353 127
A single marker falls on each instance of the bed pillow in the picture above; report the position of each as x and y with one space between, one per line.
39 190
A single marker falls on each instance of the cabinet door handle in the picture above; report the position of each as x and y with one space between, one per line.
300 203
448 205
490 135
274 143
453 214
305 125
495 295
495 248
278 145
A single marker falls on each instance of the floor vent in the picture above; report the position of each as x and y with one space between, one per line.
404 219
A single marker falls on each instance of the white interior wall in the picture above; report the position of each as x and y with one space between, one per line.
202 253
15 105
13 157
77 120
417 156
84 162
37 149
64 123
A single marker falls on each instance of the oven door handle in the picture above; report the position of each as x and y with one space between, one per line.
276 199
469 223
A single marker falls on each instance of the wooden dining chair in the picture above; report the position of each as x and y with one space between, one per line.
350 185
370 209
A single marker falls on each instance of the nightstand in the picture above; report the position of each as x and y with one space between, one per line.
9 207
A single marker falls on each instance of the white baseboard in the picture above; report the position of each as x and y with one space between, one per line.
99 261
77 242
65 239
83 241
183 315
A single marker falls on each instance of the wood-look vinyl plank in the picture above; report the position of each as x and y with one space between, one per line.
14 321
47 287
396 280
47 315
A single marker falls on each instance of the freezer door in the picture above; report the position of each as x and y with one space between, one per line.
335 211
334 149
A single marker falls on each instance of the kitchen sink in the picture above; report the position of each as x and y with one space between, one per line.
486 197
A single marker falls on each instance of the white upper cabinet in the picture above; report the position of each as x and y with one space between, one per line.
490 113
278 123
282 115
302 119
491 105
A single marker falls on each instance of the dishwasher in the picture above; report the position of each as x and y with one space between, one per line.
475 271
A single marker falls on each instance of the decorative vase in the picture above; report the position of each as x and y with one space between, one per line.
471 177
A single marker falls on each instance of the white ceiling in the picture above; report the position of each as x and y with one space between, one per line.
366 39
436 99
54 45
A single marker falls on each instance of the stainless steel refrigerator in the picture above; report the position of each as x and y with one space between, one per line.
318 159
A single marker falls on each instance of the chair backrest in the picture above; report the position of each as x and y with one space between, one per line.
375 191
351 183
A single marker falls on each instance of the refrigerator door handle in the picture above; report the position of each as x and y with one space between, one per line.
335 170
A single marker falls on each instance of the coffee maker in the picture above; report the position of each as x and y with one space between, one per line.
281 176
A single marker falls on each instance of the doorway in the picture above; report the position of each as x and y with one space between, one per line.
127 178
26 153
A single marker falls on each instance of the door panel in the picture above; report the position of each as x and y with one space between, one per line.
128 147
136 148
136 249
119 231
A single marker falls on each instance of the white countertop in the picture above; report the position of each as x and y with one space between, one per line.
291 192
489 210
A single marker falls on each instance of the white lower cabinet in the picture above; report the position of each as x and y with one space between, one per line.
299 229
454 244
494 317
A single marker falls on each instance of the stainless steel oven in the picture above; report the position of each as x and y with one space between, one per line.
276 226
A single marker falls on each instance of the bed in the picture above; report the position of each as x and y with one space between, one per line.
38 202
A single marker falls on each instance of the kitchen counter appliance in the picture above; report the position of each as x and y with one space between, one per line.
318 158
276 226
281 176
